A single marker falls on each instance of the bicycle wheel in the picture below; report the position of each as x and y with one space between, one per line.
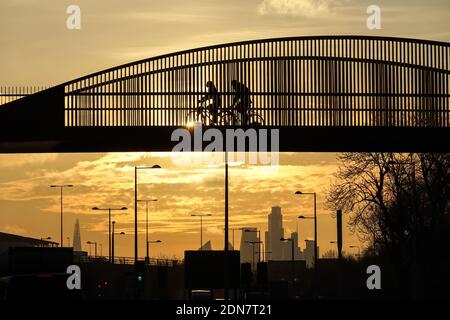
191 116
227 118
199 115
255 119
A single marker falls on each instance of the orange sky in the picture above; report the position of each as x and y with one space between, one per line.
38 49
30 207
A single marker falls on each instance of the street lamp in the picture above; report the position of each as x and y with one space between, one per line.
109 223
253 250
299 193
201 227
264 253
95 248
146 226
61 187
68 242
412 164
155 241
234 229
112 241
259 239
292 255
136 209
44 239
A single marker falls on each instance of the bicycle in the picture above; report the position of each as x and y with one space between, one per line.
201 114
230 116
225 116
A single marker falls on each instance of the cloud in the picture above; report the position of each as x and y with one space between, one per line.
13 229
296 7
107 180
19 160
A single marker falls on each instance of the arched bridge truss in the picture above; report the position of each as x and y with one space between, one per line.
326 93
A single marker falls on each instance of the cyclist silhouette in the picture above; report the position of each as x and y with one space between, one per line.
241 102
216 103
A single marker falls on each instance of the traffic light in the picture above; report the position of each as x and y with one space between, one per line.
102 286
140 271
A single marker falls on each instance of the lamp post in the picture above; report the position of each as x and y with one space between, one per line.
45 239
90 248
412 164
109 223
136 209
234 229
201 227
68 242
113 237
147 256
61 187
264 253
226 271
95 248
316 278
253 250
292 255
148 242
259 240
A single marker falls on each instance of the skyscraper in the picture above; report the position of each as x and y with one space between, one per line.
298 255
77 237
309 253
274 234
207 246
247 248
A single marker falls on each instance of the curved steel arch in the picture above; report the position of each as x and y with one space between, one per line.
304 39
304 81
322 86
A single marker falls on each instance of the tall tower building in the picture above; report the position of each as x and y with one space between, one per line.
247 248
274 234
77 237
309 253
297 251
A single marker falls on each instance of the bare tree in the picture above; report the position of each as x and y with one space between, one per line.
398 203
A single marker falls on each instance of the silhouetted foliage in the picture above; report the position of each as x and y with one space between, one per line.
399 204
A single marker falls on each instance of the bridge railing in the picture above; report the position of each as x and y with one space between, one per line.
9 94
309 81
131 261
303 81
